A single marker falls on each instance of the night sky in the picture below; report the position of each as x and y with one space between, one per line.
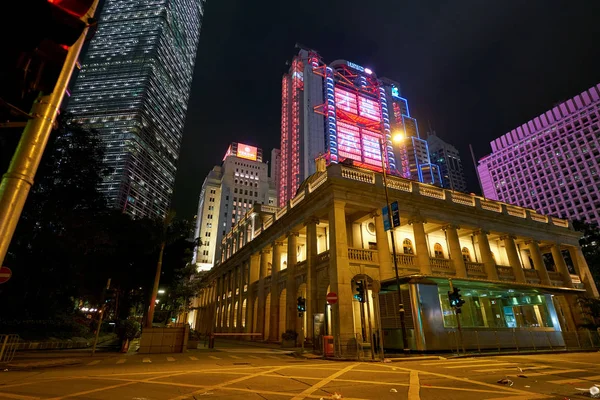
474 69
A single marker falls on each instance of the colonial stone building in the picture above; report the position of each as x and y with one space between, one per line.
518 271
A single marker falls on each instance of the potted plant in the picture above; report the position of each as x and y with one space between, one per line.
289 338
193 339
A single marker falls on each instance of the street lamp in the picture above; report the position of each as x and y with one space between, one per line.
395 137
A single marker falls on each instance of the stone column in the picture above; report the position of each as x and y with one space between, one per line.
274 312
265 256
311 274
386 261
422 256
340 276
232 299
253 274
219 303
456 251
489 264
241 282
290 288
538 262
583 271
561 266
513 258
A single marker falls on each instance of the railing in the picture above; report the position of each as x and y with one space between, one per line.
443 263
464 199
432 192
294 202
361 176
9 344
268 223
516 211
323 257
474 267
398 184
405 259
520 339
269 209
362 255
281 212
555 276
560 222
491 206
531 273
504 270
314 185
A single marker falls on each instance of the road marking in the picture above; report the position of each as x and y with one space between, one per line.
258 358
577 380
525 369
215 357
307 392
554 372
276 358
147 360
121 361
478 365
414 386
18 396
78 394
236 357
456 362
170 359
94 362
193 358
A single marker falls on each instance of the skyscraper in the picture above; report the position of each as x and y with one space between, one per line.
447 157
341 111
551 163
133 88
228 193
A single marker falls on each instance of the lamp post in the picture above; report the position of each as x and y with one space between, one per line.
401 310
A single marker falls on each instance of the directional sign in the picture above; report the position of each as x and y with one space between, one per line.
386 218
332 298
5 274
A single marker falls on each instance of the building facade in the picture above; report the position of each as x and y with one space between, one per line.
519 272
447 157
133 88
551 163
341 111
228 192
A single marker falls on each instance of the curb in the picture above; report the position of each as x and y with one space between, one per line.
44 364
522 353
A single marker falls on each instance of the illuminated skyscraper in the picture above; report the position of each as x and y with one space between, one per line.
447 157
228 193
341 111
551 163
133 88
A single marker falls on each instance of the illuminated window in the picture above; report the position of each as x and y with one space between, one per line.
466 254
407 246
438 251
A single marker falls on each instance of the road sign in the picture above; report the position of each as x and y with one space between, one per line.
5 274
386 218
395 214
332 298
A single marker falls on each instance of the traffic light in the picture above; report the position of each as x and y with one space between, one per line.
360 291
301 304
455 299
34 55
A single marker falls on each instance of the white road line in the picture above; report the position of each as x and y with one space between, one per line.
590 379
215 357
276 358
171 359
479 365
525 369
258 358
553 372
94 362
236 357
121 361
456 362
193 358
414 386
147 360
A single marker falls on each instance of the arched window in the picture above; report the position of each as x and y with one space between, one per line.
438 251
407 246
466 254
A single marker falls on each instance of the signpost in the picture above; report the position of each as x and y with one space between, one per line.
5 274
332 298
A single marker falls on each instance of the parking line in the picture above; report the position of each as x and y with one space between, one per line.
479 365
236 357
193 358
121 361
215 357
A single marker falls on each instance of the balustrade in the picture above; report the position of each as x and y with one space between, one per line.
405 259
361 176
442 263
362 255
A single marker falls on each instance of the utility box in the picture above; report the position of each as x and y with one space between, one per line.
328 350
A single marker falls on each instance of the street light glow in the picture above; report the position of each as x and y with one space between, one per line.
397 136
161 291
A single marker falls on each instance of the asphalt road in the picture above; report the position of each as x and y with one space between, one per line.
262 373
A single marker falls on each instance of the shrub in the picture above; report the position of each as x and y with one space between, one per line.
290 334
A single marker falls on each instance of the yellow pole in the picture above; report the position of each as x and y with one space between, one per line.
17 181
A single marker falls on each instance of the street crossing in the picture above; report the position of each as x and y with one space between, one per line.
160 358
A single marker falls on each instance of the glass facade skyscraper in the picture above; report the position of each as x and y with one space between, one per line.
133 88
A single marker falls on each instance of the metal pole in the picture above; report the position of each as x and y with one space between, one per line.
371 339
150 317
18 179
101 316
456 312
401 310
